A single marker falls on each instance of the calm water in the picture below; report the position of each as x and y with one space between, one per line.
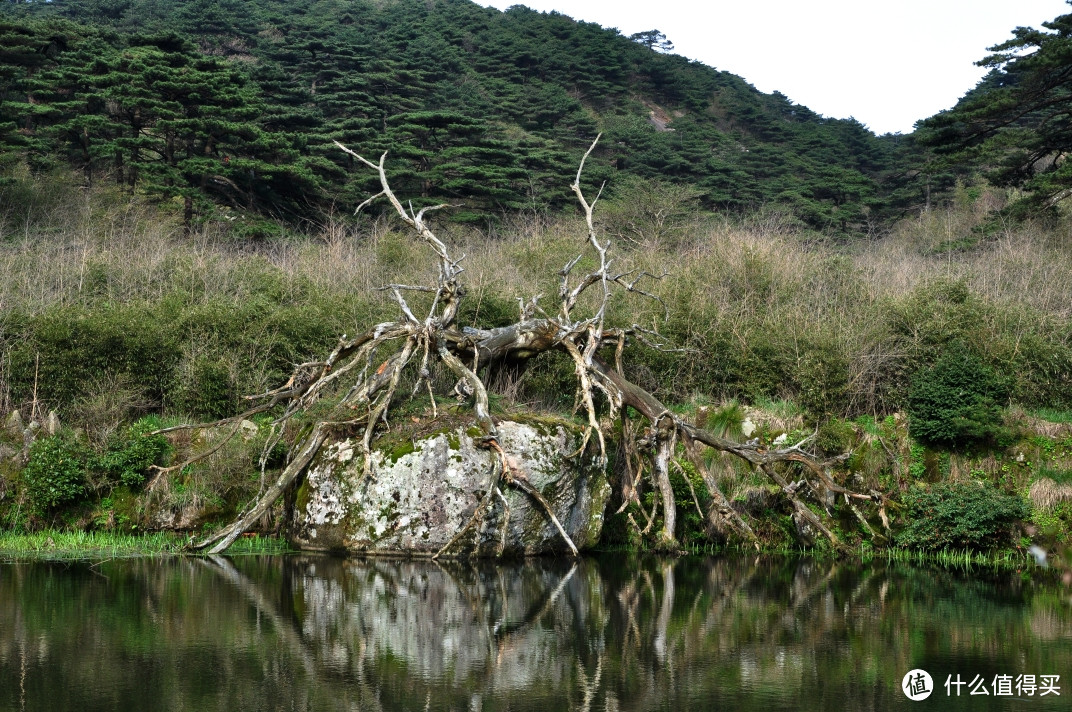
317 633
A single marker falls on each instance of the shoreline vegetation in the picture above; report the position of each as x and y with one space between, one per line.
119 324
58 545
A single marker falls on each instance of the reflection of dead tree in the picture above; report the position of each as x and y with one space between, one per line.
589 687
265 607
502 631
361 379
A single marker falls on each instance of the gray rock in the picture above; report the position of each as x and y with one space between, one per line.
249 429
52 423
806 531
422 493
14 424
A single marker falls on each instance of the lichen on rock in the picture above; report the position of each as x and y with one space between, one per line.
423 491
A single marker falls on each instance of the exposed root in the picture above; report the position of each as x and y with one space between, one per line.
361 378
517 479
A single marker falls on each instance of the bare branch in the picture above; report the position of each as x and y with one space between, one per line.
367 372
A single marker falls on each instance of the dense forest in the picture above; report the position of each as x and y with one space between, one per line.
177 232
236 103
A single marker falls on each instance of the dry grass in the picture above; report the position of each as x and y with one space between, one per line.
752 285
1046 494
730 267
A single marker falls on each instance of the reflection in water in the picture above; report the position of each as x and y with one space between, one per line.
318 633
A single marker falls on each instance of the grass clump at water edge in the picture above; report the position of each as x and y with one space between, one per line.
76 545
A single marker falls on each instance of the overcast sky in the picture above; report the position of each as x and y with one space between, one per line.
888 64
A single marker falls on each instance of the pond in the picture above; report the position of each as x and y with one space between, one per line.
604 633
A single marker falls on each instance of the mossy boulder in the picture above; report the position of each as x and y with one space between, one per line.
423 491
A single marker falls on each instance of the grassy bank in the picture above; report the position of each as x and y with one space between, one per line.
109 316
57 545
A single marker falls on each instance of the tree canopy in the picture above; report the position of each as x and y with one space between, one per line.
653 39
1015 127
471 102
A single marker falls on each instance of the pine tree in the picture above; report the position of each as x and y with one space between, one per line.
653 39
1016 125
25 47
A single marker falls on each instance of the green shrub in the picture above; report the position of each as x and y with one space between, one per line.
725 421
549 379
55 473
204 387
691 524
920 325
822 375
129 457
959 516
647 211
935 314
957 402
485 310
64 348
834 437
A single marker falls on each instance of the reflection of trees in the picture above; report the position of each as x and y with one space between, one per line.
321 633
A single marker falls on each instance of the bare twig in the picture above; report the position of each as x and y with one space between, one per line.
363 376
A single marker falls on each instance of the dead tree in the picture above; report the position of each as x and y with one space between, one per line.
368 370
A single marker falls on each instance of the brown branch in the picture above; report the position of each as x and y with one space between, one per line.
200 456
517 479
218 542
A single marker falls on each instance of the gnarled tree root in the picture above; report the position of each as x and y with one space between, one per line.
368 381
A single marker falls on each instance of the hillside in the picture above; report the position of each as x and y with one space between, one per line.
148 148
236 103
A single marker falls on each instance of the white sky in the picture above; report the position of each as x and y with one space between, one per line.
888 64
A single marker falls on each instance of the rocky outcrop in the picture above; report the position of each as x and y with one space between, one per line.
422 492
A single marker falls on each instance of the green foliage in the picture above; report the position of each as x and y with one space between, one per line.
55 472
692 524
959 516
957 402
65 348
202 103
649 211
487 310
834 437
934 315
1053 415
63 469
550 379
823 376
653 39
54 544
1011 339
725 421
127 459
205 386
1015 125
199 354
917 461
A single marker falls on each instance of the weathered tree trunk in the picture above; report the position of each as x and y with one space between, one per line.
368 371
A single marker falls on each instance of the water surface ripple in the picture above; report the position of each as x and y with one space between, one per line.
607 633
